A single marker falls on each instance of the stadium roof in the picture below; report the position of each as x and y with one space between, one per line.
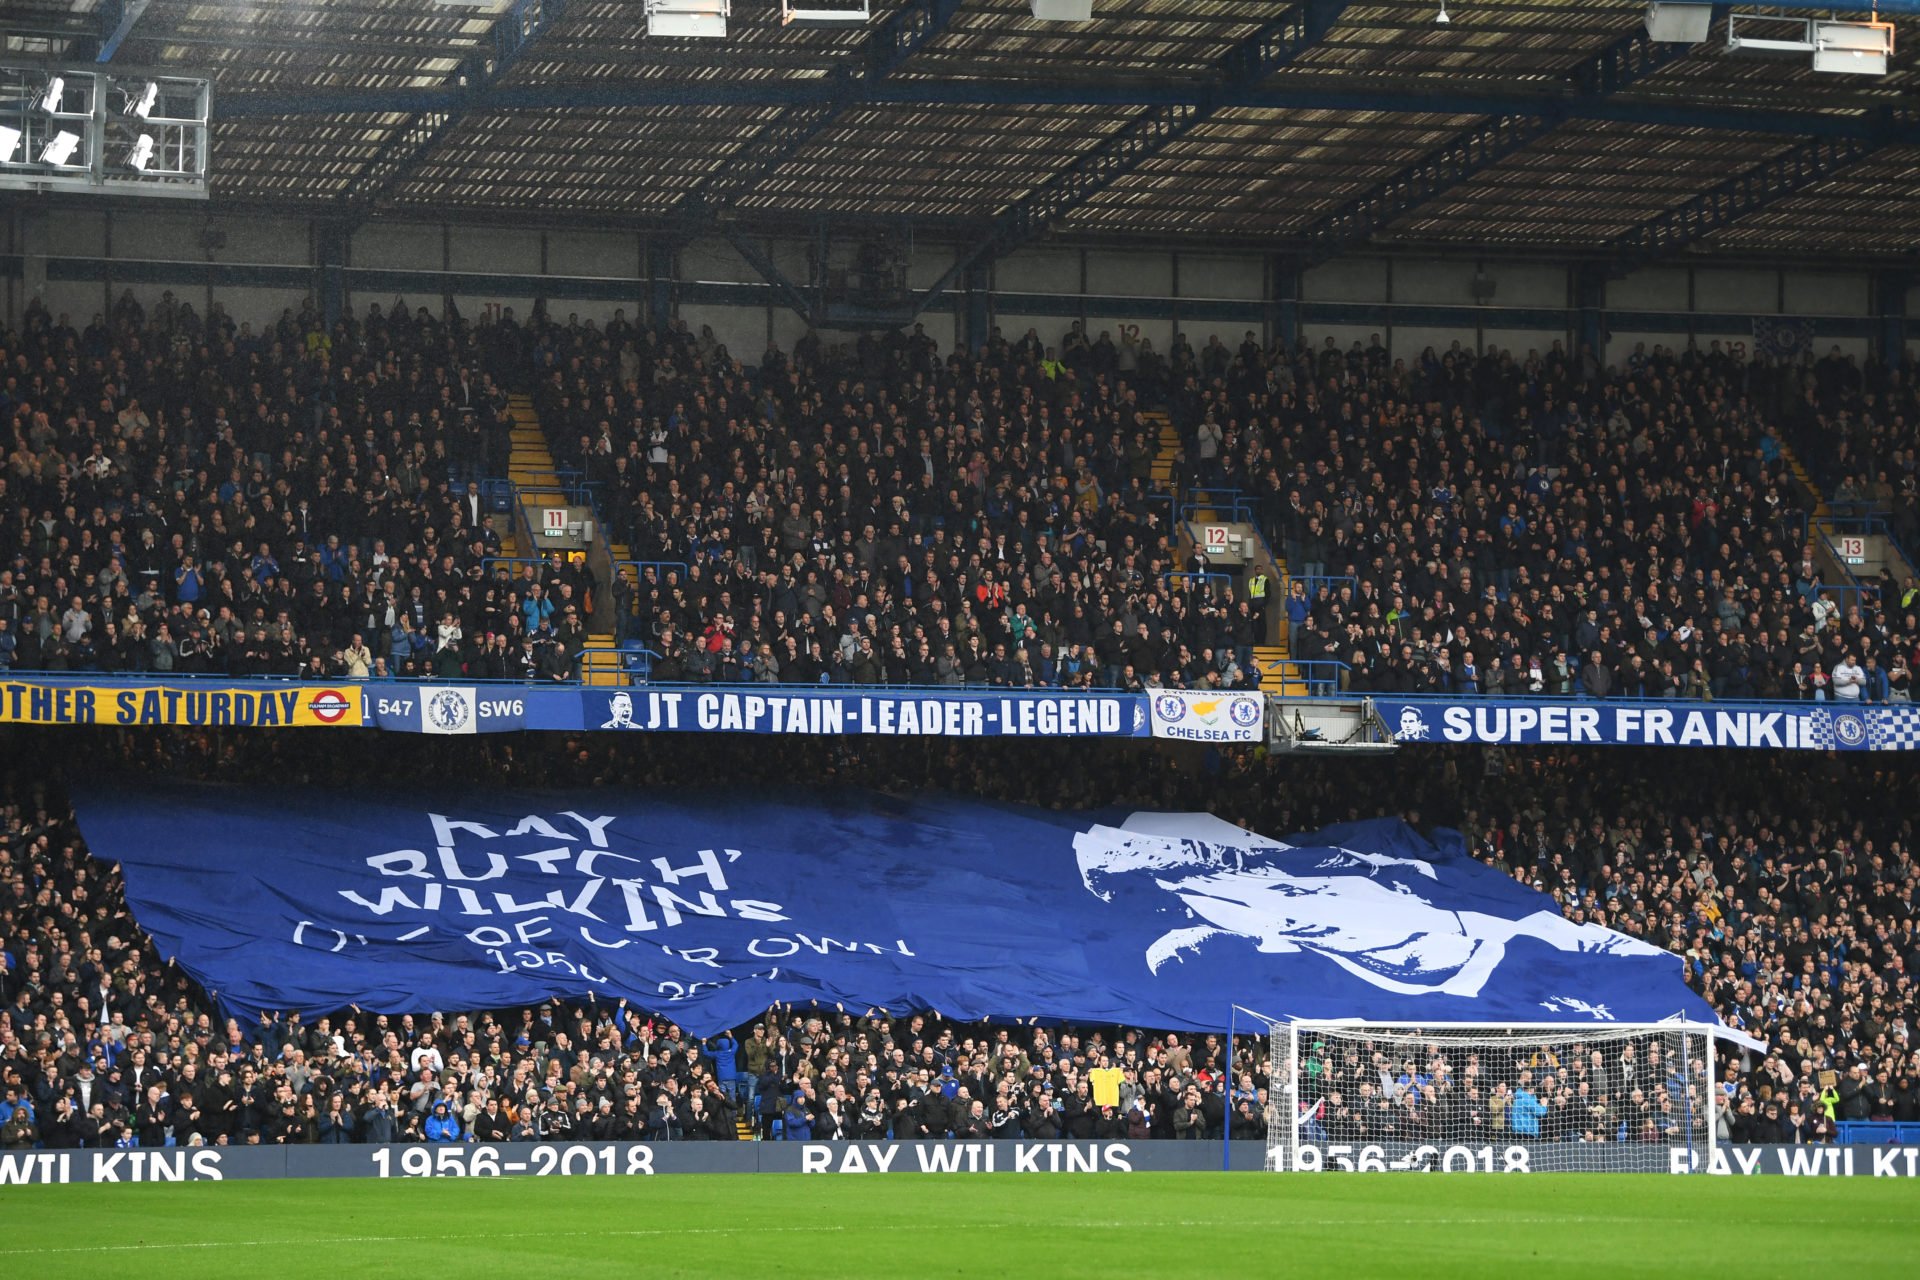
1309 128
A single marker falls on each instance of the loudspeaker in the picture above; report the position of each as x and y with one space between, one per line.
1678 23
1063 10
1852 48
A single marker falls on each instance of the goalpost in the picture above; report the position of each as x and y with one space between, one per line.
1458 1097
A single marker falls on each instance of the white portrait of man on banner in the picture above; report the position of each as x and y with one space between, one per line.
1368 913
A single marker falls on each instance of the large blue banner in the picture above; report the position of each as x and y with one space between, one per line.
760 708
709 907
1791 726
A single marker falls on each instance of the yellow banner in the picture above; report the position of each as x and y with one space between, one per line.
259 706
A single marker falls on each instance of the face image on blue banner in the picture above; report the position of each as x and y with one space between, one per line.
708 907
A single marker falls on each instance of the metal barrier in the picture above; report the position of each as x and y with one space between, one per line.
571 482
1210 581
498 495
631 664
1238 507
487 565
1878 1132
660 567
1861 509
569 487
1314 581
1848 594
1324 677
1852 585
1877 524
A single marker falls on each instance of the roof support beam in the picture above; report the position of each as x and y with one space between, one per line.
1805 164
781 139
409 145
1024 93
1300 27
117 20
757 258
1617 67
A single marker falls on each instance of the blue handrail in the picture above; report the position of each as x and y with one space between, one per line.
631 662
488 564
1876 524
1323 676
1577 695
1877 1132
1318 667
1315 581
498 495
1240 507
1211 581
661 567
1833 552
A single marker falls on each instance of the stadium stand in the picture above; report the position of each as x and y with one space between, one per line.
1787 886
182 495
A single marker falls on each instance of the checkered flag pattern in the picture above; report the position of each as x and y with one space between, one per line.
1895 728
1816 731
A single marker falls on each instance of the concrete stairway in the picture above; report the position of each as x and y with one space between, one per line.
532 465
1166 442
1821 511
1819 531
1286 678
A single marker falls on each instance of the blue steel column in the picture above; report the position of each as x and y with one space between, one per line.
1890 315
660 261
1283 307
979 322
333 261
1590 302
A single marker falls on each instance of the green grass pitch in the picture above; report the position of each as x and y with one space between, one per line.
958 1225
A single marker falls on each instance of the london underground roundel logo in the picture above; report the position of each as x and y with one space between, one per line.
329 706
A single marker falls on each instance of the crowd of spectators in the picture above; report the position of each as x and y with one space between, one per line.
1536 526
1786 882
181 494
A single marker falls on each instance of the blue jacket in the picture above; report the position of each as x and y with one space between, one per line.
798 1124
443 1125
1526 1113
724 1049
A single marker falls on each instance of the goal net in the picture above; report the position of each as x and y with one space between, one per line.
1608 1098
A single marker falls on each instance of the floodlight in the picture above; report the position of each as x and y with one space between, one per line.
142 154
1852 48
9 143
688 19
1670 23
56 90
1789 35
1062 10
140 102
1443 18
60 150
823 13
